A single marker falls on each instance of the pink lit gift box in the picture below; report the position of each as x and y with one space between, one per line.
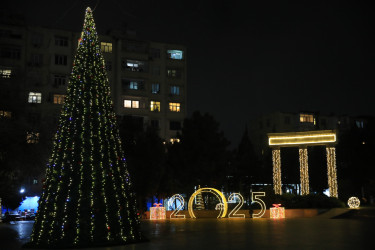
277 212
157 212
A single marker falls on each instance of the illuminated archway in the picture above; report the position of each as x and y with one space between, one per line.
217 193
303 140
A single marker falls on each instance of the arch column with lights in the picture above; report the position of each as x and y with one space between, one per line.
302 140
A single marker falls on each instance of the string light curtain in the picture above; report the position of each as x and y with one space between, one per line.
87 197
331 171
276 161
304 171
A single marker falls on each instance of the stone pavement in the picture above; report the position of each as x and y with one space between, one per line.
217 234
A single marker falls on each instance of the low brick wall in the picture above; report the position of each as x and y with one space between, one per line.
289 213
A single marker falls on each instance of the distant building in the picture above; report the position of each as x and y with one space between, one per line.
148 79
279 122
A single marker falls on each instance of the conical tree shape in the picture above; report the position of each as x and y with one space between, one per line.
87 198
199 201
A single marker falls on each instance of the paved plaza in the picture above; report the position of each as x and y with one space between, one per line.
263 233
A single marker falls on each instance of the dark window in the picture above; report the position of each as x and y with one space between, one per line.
61 60
174 125
108 65
155 124
11 53
155 53
61 41
287 119
59 80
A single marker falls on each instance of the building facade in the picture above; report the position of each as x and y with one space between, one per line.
148 79
281 122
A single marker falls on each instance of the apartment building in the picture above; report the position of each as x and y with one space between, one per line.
148 79
279 122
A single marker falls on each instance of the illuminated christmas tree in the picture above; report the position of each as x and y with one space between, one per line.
87 198
199 201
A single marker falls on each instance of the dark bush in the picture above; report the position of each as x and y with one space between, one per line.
303 201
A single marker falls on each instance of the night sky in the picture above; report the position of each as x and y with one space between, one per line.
249 59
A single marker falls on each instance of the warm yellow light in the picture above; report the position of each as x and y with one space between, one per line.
106 47
354 202
302 138
277 212
157 213
304 171
214 191
254 198
276 160
331 171
232 199
155 106
174 214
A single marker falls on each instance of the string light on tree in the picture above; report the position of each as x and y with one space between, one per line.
87 197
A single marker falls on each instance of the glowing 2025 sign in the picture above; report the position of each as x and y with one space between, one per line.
223 204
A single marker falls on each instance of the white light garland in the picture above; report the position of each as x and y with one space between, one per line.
174 214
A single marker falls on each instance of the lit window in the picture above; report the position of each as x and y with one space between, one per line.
35 97
359 124
175 54
5 73
133 85
174 106
174 140
306 118
155 106
172 72
61 41
131 104
35 181
32 137
5 114
133 65
155 88
58 99
61 60
175 90
106 47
